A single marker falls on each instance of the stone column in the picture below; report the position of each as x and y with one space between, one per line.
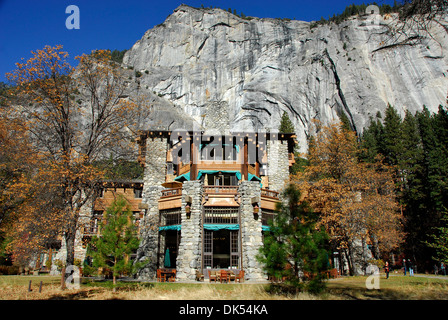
250 228
154 176
155 162
190 247
278 164
149 234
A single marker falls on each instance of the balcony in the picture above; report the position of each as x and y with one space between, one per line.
171 192
269 193
171 198
221 189
90 231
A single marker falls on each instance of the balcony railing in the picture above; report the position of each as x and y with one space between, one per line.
90 231
269 193
171 192
221 189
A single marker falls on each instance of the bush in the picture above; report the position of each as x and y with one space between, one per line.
9 270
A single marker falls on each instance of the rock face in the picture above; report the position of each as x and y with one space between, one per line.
256 69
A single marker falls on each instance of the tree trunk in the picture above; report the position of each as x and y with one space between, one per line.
375 248
70 246
349 260
63 278
114 277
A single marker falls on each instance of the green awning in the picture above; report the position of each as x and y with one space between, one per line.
252 177
216 227
176 227
201 172
183 177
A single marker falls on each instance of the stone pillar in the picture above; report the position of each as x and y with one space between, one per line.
278 164
155 162
154 176
190 247
149 234
250 228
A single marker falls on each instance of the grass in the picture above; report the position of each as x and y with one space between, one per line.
350 288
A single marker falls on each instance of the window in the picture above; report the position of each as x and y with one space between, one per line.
169 168
208 245
170 217
221 215
224 179
138 192
267 216
218 152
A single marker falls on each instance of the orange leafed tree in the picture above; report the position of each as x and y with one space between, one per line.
74 116
356 201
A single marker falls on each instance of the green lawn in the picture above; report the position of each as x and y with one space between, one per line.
397 287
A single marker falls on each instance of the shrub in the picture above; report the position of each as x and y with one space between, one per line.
9 270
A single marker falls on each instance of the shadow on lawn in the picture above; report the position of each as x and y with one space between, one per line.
91 288
350 290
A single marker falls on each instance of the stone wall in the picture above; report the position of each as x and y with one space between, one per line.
278 164
190 247
154 176
149 233
155 162
250 228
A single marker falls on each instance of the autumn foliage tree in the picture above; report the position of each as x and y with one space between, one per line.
355 200
74 116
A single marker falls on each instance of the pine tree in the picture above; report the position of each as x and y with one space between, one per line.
294 249
411 161
117 242
439 240
371 140
392 136
286 125
432 158
440 125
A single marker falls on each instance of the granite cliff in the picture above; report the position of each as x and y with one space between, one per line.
220 71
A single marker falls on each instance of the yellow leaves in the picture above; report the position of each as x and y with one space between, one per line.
354 198
70 136
44 64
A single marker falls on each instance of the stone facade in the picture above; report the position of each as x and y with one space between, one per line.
149 233
190 247
190 257
278 164
250 228
155 162
154 176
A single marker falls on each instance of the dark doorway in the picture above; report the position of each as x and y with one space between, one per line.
221 249
172 239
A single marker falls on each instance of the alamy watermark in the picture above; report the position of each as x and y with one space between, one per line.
374 17
73 280
373 281
73 20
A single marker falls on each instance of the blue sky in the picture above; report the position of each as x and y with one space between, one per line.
30 25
